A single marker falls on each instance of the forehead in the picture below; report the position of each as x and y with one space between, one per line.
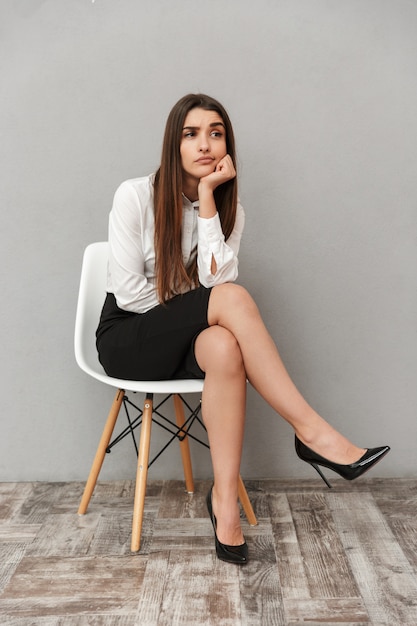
200 117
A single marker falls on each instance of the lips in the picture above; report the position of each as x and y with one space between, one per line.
205 160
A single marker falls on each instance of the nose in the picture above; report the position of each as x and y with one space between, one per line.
204 145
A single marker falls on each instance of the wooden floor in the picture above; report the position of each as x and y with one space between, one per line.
318 556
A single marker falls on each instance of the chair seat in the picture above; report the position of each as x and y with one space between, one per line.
148 386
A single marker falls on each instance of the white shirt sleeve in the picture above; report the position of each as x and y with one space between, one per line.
211 243
131 255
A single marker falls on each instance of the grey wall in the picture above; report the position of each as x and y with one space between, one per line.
323 95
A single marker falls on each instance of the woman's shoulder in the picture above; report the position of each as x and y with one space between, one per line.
134 199
141 187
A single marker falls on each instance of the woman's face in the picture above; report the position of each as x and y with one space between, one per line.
203 144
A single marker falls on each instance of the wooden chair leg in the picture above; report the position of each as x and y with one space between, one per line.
101 452
246 504
184 445
142 473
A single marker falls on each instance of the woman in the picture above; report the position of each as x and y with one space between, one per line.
173 311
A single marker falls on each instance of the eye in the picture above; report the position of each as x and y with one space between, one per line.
217 132
188 134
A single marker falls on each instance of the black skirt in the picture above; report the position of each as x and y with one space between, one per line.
156 345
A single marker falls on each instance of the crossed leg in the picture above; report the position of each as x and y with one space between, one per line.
236 347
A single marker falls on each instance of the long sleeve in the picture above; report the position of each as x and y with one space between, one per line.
131 274
211 243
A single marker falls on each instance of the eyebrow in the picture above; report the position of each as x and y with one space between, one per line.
212 125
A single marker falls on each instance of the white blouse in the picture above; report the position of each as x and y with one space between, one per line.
131 270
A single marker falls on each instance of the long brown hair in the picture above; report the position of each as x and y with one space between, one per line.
171 274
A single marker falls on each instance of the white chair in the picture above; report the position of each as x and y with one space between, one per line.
90 301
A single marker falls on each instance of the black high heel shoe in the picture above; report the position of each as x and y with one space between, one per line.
348 472
230 554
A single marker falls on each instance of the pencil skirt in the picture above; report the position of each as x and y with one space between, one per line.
156 345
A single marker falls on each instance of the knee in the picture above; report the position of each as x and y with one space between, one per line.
234 297
225 345
217 349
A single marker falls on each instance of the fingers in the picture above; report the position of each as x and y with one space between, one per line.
224 171
225 166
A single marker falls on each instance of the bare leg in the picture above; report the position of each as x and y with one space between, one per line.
231 307
235 347
223 407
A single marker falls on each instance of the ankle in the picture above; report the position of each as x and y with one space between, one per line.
225 494
227 514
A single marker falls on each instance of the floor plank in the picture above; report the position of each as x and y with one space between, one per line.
325 563
260 589
319 612
293 578
57 586
199 589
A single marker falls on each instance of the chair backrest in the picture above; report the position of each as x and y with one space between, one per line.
91 297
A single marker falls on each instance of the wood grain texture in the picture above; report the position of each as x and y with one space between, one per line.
346 556
385 576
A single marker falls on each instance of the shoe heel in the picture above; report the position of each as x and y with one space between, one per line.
320 473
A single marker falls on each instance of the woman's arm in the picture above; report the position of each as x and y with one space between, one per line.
214 253
217 260
131 248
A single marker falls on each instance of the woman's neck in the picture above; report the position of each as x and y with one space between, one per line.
190 190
